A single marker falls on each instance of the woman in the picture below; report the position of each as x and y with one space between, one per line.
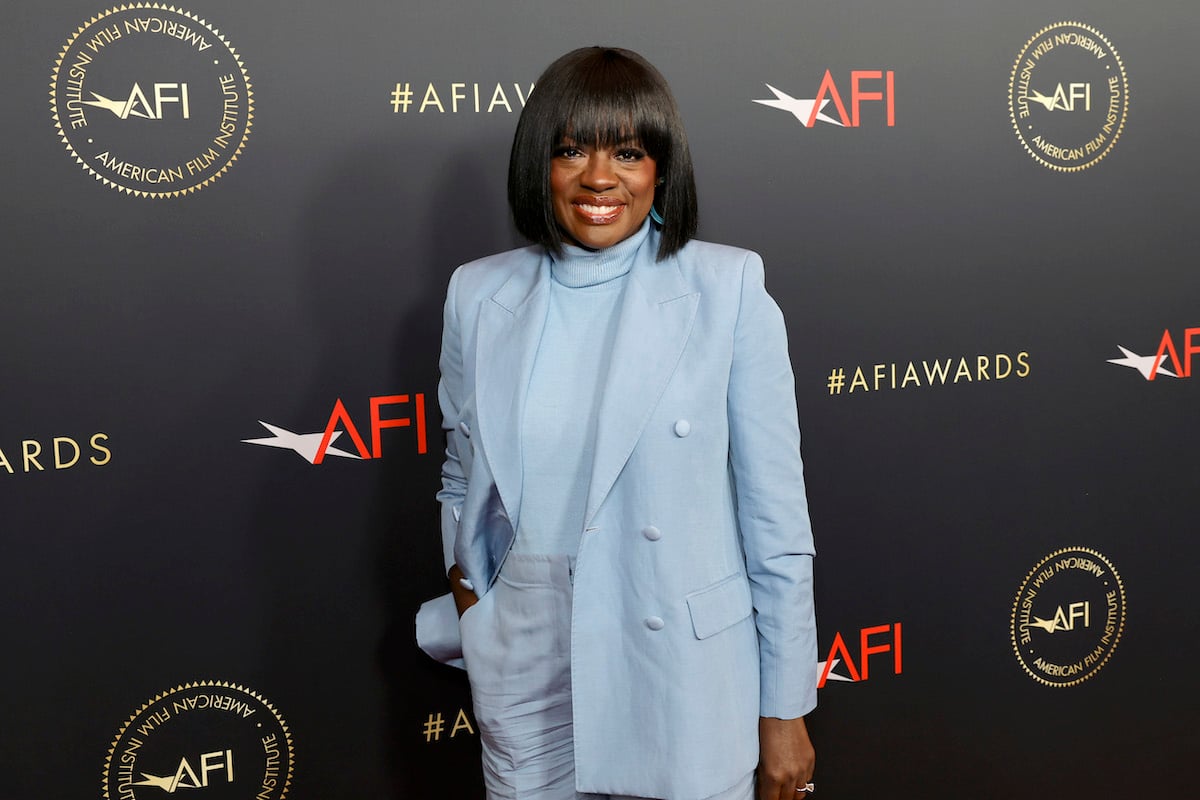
623 511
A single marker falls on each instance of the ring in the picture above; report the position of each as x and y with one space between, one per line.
808 787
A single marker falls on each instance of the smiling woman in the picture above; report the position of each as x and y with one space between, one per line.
601 194
623 513
601 99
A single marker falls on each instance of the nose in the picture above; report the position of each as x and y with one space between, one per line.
599 174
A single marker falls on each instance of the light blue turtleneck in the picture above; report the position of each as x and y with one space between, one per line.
558 430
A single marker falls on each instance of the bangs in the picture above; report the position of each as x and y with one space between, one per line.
616 106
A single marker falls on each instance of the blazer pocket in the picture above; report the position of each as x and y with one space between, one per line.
716 607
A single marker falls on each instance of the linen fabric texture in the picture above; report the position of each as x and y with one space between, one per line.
517 648
692 613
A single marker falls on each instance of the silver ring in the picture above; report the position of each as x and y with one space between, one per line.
808 787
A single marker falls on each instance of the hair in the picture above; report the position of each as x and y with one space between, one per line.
601 97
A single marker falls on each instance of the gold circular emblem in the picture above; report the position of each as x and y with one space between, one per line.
1068 96
211 735
151 100
1068 616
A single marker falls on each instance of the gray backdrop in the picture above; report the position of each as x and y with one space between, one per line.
313 271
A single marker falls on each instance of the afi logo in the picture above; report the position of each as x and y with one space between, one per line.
1065 620
138 105
1064 99
186 778
866 85
887 639
313 447
1168 352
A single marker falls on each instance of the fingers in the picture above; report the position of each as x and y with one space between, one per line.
786 759
769 789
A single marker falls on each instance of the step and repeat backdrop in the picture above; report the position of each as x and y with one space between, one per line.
227 231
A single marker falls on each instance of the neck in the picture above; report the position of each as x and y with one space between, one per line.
580 266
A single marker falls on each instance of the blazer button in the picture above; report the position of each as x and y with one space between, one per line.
654 623
683 428
466 584
652 533
465 428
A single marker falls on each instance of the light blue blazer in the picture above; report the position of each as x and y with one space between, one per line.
692 611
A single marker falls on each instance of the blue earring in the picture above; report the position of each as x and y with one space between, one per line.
654 215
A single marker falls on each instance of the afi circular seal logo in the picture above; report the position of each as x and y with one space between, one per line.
151 100
1068 96
219 738
1068 616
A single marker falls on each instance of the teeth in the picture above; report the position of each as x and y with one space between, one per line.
598 210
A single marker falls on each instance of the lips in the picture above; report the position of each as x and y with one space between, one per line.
599 210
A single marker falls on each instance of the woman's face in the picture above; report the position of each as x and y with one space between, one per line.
601 195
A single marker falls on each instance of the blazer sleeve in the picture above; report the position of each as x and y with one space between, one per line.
772 507
450 389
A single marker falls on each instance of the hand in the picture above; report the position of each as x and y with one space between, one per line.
785 758
464 598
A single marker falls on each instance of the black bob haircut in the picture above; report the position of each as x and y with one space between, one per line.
601 96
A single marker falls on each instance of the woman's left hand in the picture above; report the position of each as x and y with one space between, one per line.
786 758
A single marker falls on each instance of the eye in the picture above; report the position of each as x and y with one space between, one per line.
630 154
567 151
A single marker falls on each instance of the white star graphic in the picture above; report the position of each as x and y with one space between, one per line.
801 109
121 109
305 444
832 676
1143 364
166 783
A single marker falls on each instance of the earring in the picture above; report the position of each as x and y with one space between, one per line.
654 215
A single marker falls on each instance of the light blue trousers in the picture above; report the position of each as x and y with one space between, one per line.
517 648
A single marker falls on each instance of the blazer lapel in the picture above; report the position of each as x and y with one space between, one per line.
657 314
510 328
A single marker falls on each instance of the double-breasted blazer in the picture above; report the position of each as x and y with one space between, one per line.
692 612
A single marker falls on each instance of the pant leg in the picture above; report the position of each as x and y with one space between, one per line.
516 645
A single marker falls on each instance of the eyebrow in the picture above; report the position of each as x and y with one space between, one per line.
627 142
